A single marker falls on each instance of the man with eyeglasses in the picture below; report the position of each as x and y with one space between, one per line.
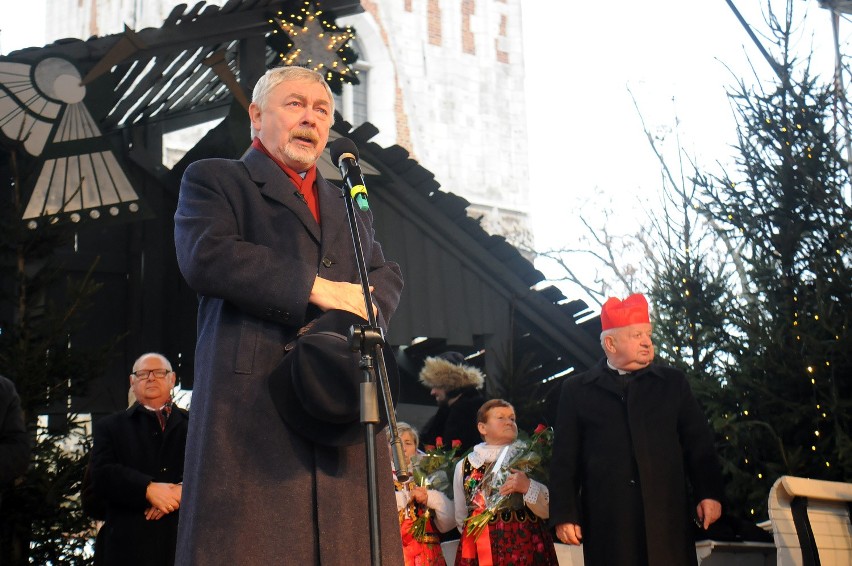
137 469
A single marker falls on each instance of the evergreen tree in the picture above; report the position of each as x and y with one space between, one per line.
750 282
787 366
42 310
748 272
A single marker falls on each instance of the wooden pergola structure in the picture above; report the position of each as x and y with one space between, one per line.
90 118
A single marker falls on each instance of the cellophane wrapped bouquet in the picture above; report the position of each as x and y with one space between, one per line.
433 469
531 456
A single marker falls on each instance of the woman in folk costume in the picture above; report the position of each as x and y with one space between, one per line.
501 512
418 505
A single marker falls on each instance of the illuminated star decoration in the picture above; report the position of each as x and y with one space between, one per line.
310 39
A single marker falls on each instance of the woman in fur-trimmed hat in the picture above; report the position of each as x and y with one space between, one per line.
456 387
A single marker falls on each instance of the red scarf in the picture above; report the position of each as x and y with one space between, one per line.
307 186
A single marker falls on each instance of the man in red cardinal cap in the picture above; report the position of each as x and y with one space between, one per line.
628 436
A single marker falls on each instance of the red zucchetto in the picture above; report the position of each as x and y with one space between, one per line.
616 313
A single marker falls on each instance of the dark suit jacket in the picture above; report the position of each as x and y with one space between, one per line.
620 463
257 493
129 452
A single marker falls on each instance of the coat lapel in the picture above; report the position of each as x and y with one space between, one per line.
274 183
174 420
334 224
597 376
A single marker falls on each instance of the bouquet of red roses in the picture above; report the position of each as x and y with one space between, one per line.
433 469
528 456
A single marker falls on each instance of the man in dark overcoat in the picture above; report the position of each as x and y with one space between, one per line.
457 388
137 469
628 435
265 242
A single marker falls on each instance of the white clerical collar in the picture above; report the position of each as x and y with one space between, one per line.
613 368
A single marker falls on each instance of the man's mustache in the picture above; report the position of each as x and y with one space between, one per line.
305 134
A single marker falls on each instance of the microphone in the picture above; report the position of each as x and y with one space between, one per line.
344 155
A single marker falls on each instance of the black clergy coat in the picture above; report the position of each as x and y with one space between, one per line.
129 452
621 461
255 492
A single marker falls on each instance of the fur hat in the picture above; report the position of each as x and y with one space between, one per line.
442 373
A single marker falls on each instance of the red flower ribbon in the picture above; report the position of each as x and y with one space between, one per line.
478 546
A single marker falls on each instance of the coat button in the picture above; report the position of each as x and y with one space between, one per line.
632 483
327 262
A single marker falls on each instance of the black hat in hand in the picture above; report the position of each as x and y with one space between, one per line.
316 387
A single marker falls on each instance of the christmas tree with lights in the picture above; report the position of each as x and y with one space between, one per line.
765 333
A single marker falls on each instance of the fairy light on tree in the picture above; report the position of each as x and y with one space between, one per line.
778 389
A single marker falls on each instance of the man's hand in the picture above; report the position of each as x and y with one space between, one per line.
517 482
569 533
153 514
327 295
165 497
708 511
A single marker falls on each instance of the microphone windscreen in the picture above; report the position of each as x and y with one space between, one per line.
340 146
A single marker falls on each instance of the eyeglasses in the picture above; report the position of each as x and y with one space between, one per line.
151 373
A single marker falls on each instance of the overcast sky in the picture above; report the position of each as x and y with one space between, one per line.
20 27
586 141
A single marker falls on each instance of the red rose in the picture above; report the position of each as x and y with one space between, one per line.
539 429
439 442
456 443
429 448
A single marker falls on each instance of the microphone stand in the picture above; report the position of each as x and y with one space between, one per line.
369 340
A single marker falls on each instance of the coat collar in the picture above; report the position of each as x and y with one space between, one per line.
598 374
464 393
601 368
139 409
274 183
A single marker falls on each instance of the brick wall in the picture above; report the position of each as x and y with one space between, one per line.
460 100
